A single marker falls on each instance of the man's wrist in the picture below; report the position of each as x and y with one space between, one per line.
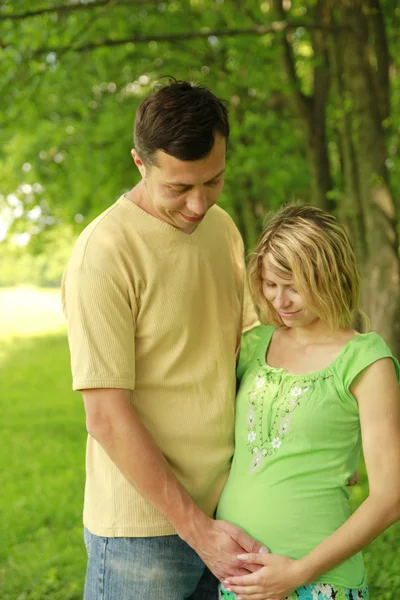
193 526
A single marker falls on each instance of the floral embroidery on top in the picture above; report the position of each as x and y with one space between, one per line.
284 396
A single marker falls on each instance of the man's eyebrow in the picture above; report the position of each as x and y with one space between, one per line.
217 175
177 184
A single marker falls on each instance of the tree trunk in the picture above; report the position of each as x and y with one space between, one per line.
318 160
368 201
312 109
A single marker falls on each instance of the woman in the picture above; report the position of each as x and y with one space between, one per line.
310 387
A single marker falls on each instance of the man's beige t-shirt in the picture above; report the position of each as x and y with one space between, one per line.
159 312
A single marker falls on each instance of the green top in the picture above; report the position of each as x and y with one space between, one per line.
297 443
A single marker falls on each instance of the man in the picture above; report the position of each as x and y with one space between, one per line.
155 302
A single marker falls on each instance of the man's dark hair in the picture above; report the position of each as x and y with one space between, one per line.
181 119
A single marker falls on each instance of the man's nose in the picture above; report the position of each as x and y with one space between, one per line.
197 202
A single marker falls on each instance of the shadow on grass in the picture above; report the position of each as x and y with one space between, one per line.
41 472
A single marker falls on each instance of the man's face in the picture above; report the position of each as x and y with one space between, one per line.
180 192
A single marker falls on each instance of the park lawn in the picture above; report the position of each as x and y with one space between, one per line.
26 311
42 556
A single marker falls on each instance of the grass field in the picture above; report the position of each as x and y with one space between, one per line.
42 453
42 462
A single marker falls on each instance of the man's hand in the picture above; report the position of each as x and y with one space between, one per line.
218 543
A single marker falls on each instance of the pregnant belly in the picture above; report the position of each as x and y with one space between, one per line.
287 519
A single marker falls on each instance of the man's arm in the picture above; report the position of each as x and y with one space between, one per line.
111 420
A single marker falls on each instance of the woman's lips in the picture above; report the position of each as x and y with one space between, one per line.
284 315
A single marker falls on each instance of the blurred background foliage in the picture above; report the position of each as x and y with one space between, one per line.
313 91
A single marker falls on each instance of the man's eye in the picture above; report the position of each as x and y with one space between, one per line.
213 183
180 191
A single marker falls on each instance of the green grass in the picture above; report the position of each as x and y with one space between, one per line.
43 437
41 473
27 311
42 448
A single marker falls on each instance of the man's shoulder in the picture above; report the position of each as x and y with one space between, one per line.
220 218
220 214
103 240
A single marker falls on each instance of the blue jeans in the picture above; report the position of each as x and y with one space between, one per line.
154 568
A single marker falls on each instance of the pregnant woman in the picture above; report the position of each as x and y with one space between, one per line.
310 389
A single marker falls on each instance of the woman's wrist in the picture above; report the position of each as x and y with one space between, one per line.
304 571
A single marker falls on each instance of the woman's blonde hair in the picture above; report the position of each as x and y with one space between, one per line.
309 245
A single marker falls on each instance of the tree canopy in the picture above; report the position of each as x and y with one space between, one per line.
313 94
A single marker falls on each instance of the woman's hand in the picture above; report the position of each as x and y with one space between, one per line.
277 578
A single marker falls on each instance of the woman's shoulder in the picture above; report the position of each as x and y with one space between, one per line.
370 344
259 332
251 344
362 351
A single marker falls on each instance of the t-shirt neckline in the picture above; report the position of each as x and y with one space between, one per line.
262 355
163 226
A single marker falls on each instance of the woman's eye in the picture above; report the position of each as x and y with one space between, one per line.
213 183
294 290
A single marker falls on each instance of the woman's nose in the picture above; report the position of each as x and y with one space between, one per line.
281 300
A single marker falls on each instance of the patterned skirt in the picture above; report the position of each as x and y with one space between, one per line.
316 591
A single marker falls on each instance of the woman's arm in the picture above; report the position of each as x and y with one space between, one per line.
377 392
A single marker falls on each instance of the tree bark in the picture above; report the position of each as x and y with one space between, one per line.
368 201
312 109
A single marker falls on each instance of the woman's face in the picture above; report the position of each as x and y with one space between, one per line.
282 294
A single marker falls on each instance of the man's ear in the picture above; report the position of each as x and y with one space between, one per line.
138 162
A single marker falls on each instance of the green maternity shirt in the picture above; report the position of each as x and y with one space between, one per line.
297 443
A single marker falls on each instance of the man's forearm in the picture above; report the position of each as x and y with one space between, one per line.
133 450
114 424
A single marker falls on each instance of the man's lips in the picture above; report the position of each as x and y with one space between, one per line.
192 219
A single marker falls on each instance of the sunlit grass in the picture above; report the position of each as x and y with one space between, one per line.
42 453
28 310
41 473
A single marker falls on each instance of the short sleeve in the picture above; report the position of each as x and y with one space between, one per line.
101 330
250 318
249 347
249 315
362 352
